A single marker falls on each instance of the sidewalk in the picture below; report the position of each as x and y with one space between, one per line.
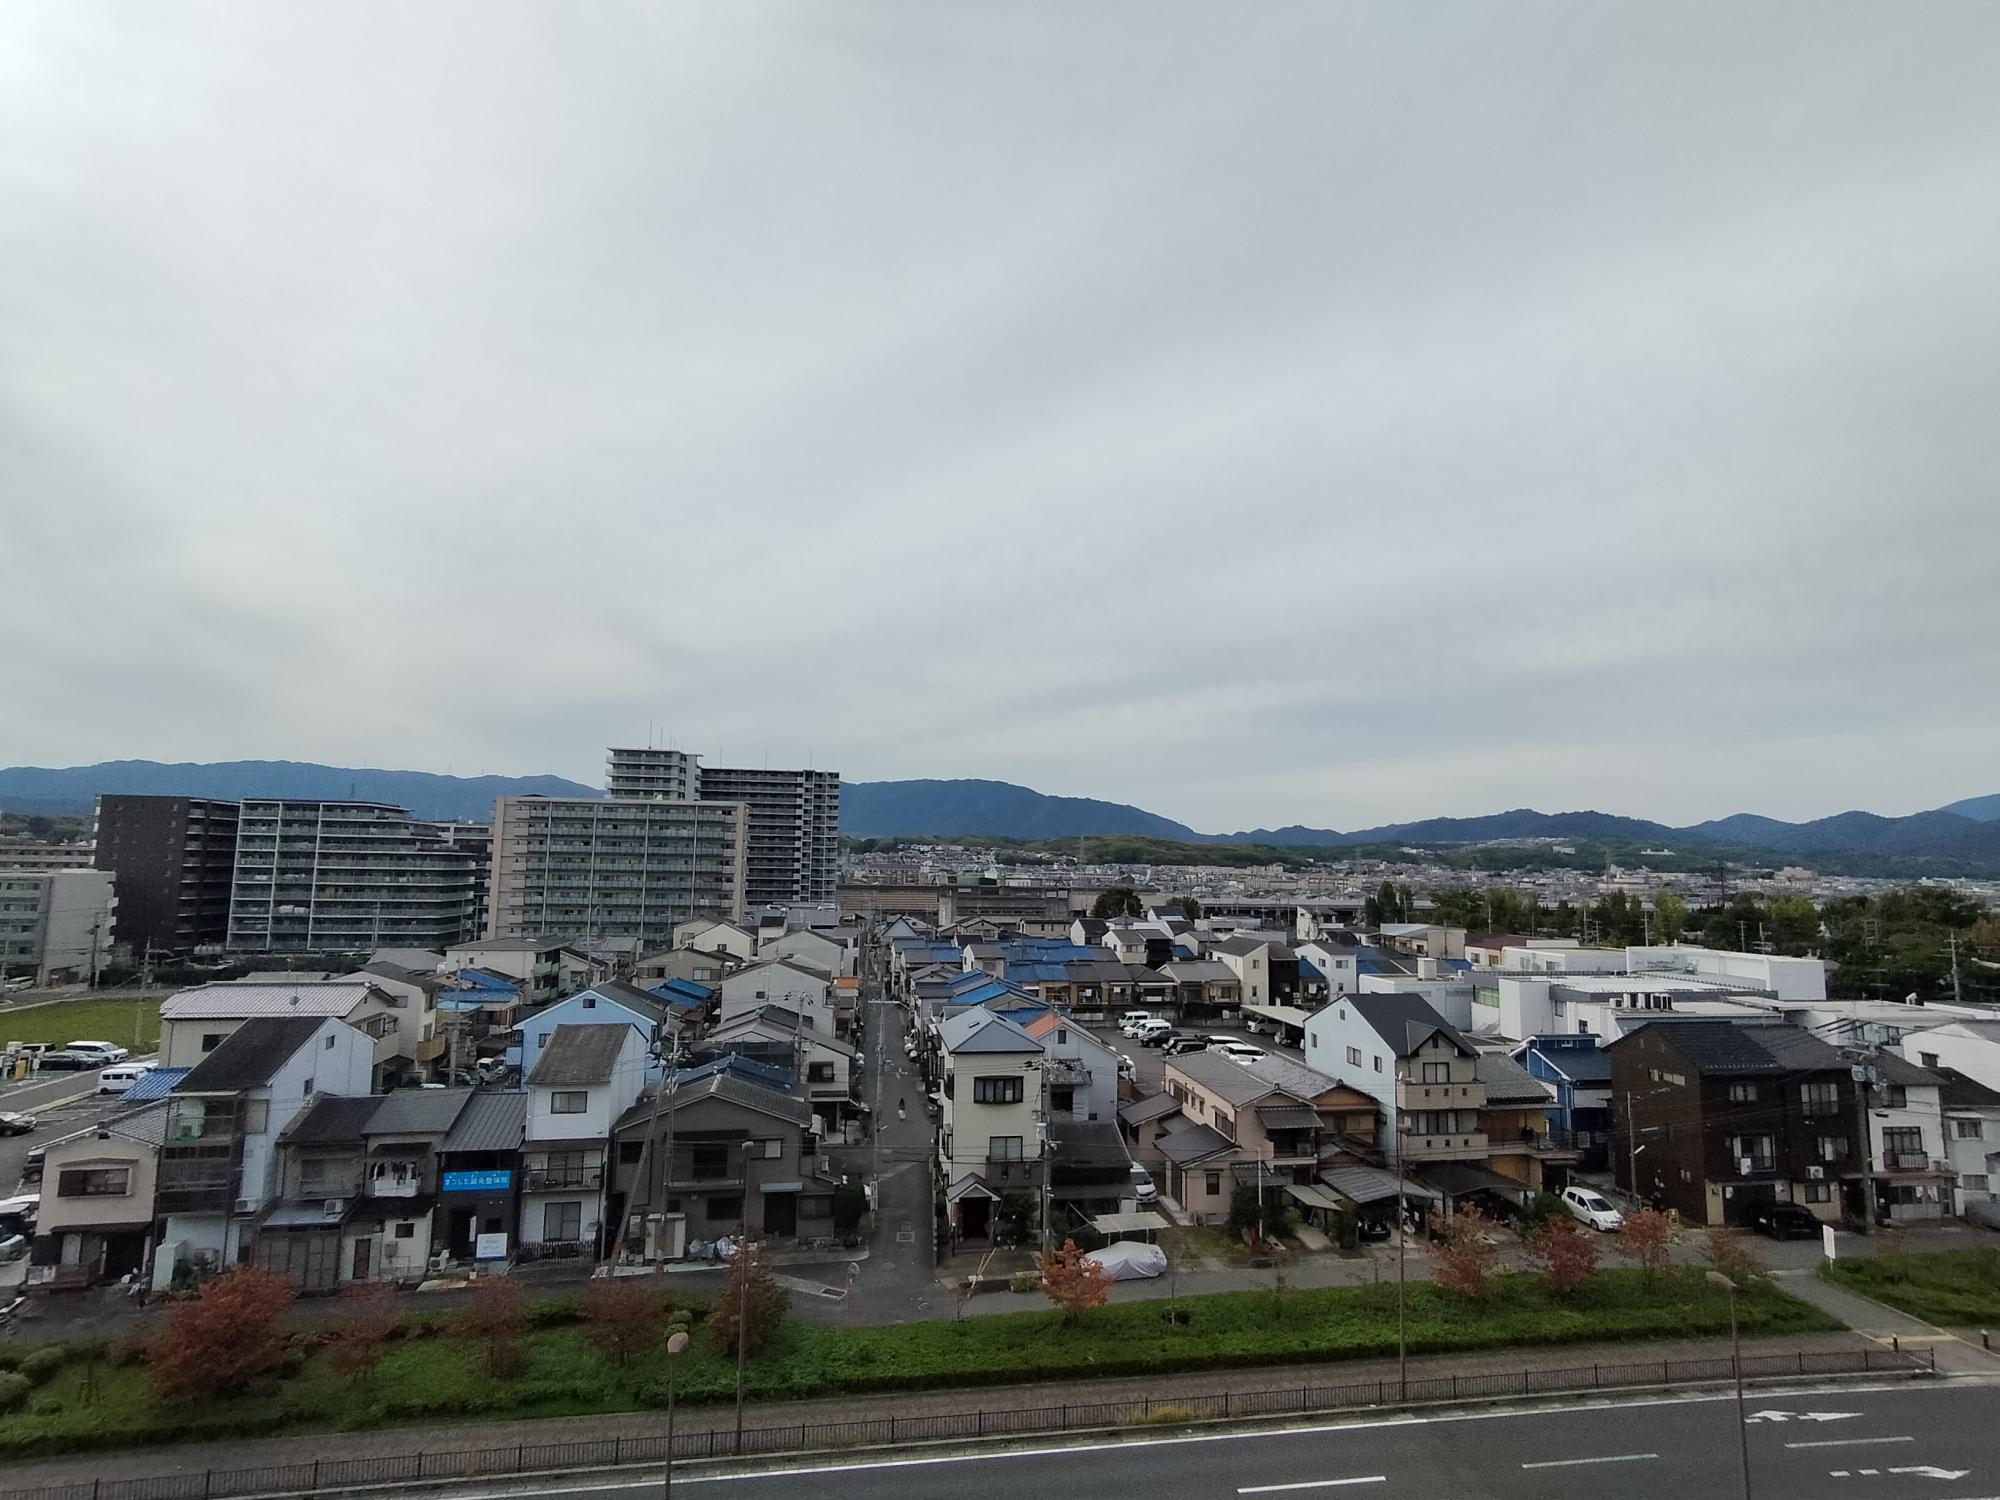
1883 1325
258 1452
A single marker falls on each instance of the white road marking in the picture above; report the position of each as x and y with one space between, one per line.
1849 1442
1614 1458
1931 1471
1312 1484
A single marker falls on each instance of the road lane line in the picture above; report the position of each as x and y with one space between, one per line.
1612 1458
1849 1442
1312 1484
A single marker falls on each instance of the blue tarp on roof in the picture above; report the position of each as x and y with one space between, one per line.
156 1083
683 993
481 979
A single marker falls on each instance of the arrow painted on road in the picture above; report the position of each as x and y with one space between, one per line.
1929 1471
1800 1416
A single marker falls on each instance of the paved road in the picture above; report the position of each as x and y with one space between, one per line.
60 1103
1912 1442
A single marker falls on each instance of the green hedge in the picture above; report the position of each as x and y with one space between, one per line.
424 1380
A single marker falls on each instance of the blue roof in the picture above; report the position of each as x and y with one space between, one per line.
683 994
156 1083
482 980
736 1065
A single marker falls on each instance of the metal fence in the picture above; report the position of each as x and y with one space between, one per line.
459 1464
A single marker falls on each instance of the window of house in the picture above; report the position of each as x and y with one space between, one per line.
1378 1064
562 1221
1742 1093
1757 1149
1819 1192
1214 1183
405 1230
210 1040
93 1182
1966 1130
725 1206
1003 1148
1973 1182
1312 1038
819 1072
1354 1057
1899 1097
1903 1140
630 1152
1928 1059
1062 1034
329 1041
569 1102
1005 1089
1833 1148
1062 1101
1437 1072
1819 1098
307 1087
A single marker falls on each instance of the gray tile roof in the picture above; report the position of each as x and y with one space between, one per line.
1292 1077
1193 1143
229 999
333 1120
1200 971
418 1112
490 1122
579 1054
1507 1082
1218 1075
249 1055
1156 1107
978 1030
1720 1048
1961 1092
1897 1069
1405 1022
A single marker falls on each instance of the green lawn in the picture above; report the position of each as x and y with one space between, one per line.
433 1378
1960 1287
133 1022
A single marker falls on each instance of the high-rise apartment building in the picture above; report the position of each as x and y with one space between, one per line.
794 854
341 877
794 849
55 925
172 859
619 868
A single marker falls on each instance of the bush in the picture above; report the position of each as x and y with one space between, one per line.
1243 1213
1546 1208
850 1202
623 1315
553 1312
127 1350
751 1306
10 1358
494 1321
224 1341
40 1365
14 1389
1025 1281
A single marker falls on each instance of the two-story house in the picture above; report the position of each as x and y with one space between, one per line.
729 1149
830 952
1906 1138
303 1232
786 982
1422 1073
776 1035
1239 1126
419 1040
1205 990
1972 1144
585 1079
990 1134
479 1178
218 1155
694 965
534 964
1717 1118
194 1022
610 1002
1082 1075
394 1214
717 936
96 1222
1337 963
1268 971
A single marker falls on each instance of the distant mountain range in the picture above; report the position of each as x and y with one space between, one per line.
1961 838
70 791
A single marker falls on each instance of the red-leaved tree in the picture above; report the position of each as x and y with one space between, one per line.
751 1304
494 1321
1647 1238
1075 1283
370 1310
224 1341
623 1315
1465 1258
1566 1256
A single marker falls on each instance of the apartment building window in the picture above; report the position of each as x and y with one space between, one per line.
1006 1089
1742 1093
1833 1148
1972 1182
562 1221
819 1072
1899 1097
1004 1148
93 1182
1819 1099
1966 1130
569 1102
1437 1072
1354 1057
1819 1192
1903 1141
1225 1124
1755 1149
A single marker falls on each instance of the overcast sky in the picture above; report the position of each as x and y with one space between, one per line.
1325 413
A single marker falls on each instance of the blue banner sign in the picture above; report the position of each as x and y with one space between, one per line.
478 1182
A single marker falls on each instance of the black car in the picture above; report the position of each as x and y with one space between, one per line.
1786 1221
12 1123
66 1062
1157 1038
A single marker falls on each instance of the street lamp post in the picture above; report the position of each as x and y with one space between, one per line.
677 1343
746 1253
1736 1363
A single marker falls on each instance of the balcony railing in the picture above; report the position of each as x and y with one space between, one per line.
1538 1143
562 1180
1909 1161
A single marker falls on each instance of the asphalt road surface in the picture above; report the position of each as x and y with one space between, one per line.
61 1103
1915 1441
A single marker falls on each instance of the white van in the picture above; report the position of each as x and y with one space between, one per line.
117 1079
1152 1027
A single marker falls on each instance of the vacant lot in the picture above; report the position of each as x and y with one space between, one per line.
130 1021
429 1376
1955 1287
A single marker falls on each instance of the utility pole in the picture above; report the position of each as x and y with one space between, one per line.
1863 1080
1957 990
1402 1270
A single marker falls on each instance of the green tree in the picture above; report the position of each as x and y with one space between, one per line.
1243 1215
1670 917
1119 901
1794 925
1190 908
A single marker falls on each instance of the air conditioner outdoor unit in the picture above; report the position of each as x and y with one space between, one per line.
333 1208
1816 1173
244 1205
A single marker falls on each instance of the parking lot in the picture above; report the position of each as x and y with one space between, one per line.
1150 1062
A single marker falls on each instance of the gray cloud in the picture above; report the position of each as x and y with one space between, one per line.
1310 413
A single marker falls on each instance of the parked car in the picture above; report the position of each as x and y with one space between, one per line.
61 1060
119 1078
1127 1069
1160 1038
1142 1187
1239 1052
1184 1041
1787 1221
1593 1209
1145 1031
105 1052
12 1123
1134 1017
